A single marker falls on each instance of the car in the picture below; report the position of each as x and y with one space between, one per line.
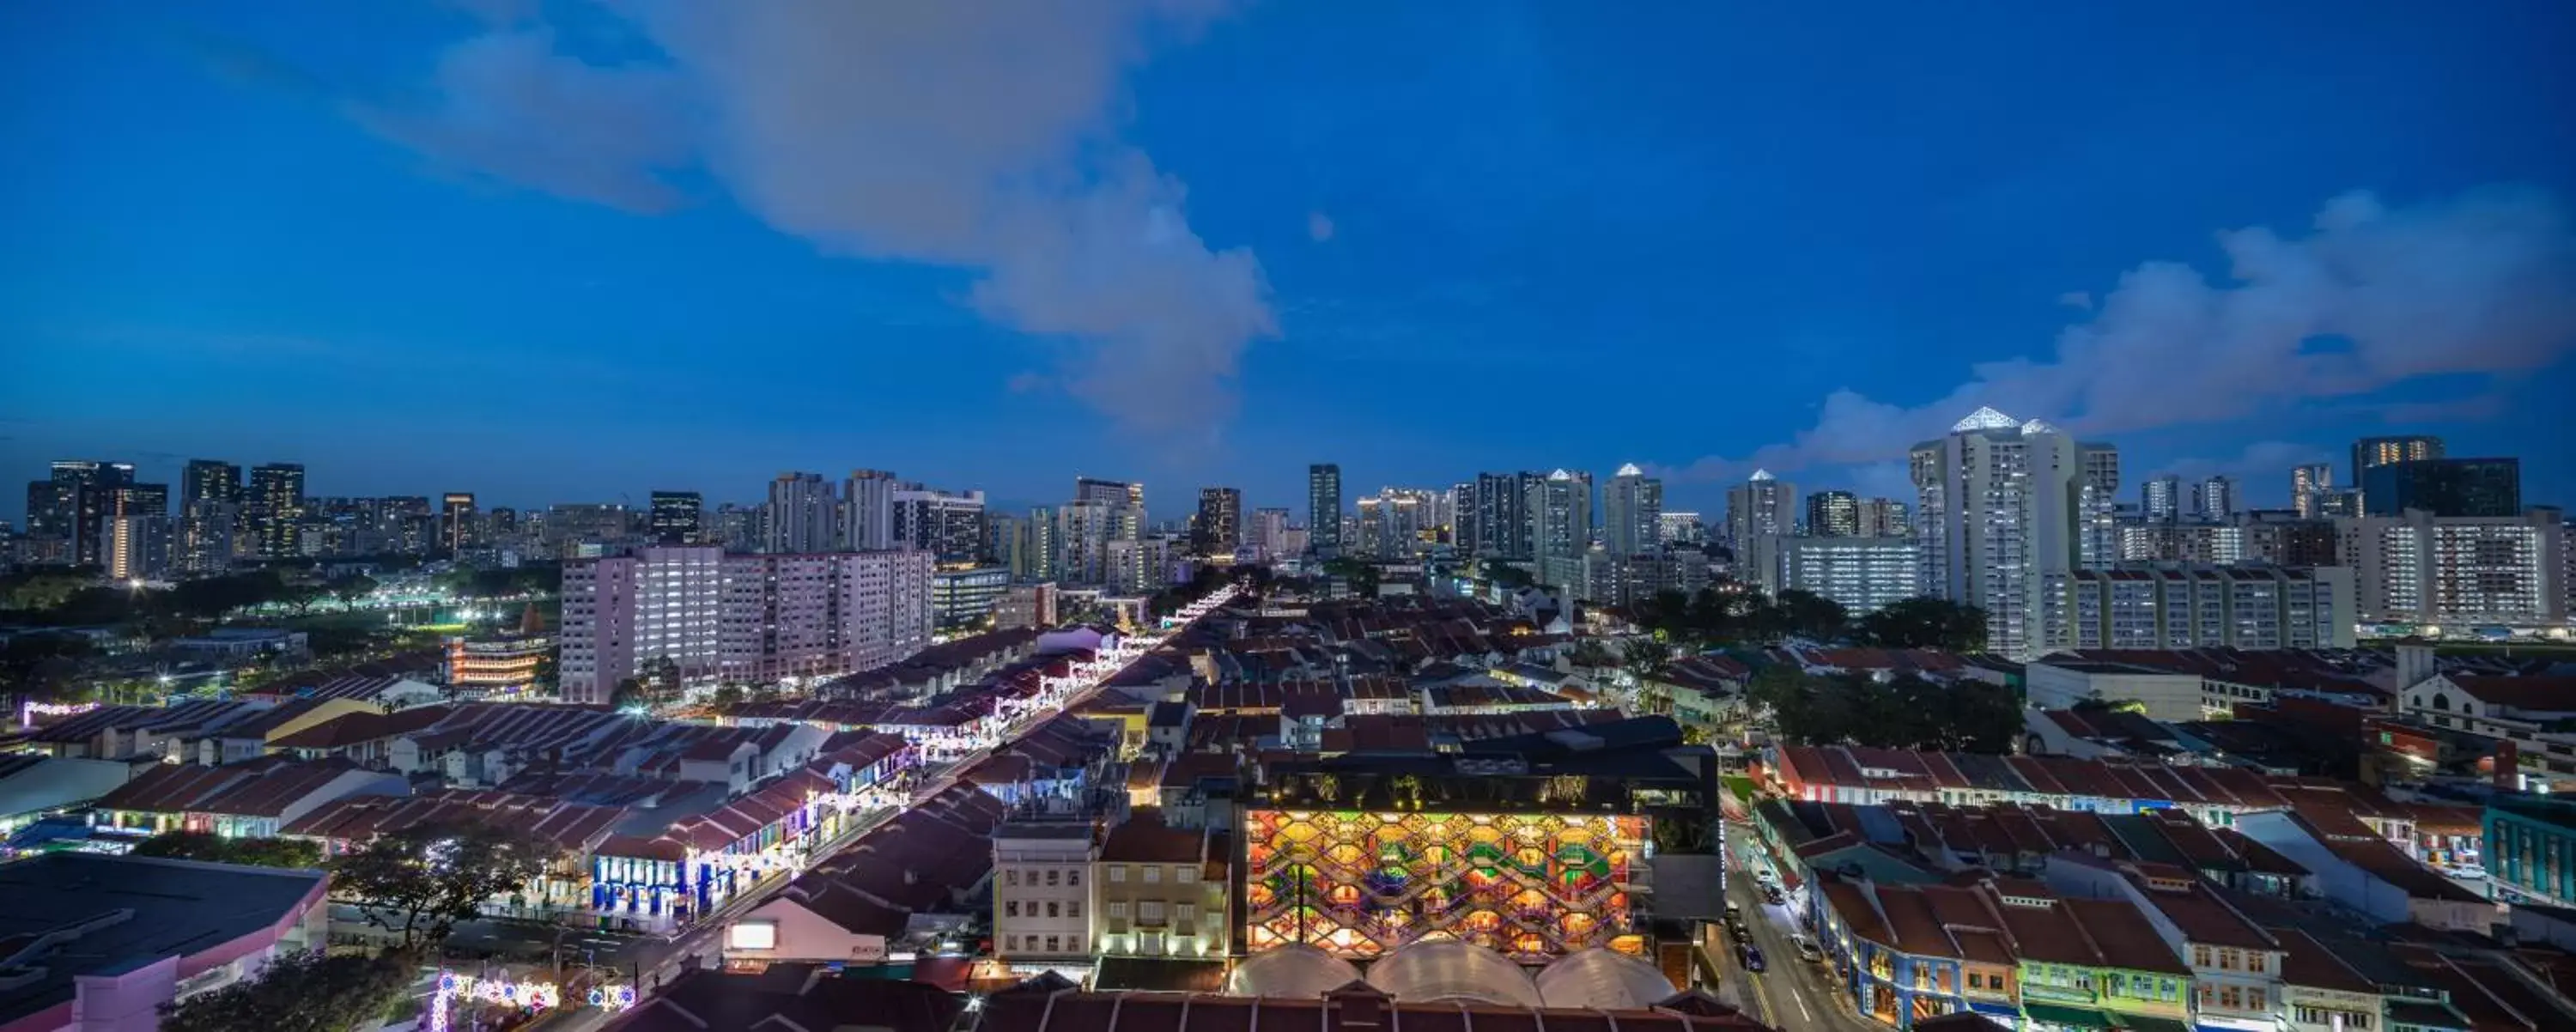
1734 912
1807 950
1749 955
1735 930
2469 872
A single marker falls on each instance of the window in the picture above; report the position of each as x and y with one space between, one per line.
1073 909
1118 908
1052 907
1185 875
1010 942
1073 877
1182 911
1051 877
2199 956
1010 908
1054 944
2254 999
2256 962
2229 960
2231 998
1117 874
1149 910
1011 877
1976 981
1153 874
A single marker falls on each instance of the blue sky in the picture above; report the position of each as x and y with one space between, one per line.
547 252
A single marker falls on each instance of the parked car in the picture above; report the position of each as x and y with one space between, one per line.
2469 872
1807 950
1771 894
1749 955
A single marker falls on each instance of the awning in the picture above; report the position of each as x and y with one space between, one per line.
2069 1017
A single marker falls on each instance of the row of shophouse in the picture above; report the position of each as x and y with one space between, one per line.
2304 912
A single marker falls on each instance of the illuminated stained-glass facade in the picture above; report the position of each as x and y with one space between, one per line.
1534 886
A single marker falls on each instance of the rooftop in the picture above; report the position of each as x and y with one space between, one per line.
108 912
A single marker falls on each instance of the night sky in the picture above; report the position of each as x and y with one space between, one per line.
546 252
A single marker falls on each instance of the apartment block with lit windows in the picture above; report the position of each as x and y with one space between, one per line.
1159 891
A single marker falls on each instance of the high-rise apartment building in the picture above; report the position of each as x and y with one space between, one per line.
456 521
1500 528
1861 574
1265 536
1324 508
1137 566
2097 494
2380 451
867 511
801 516
276 505
2160 498
748 618
2216 499
1219 528
70 505
574 529
1680 528
1632 510
2459 570
947 524
2309 485
1763 505
2444 487
135 546
1560 509
2001 510
1391 524
1833 514
674 518
1884 517
2188 606
210 482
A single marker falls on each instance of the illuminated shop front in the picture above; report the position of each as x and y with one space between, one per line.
1359 884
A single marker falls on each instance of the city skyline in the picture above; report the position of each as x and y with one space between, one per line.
1325 243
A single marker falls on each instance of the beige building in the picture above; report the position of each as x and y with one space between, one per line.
1158 891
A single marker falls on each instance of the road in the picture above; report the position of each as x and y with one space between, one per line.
1792 995
658 959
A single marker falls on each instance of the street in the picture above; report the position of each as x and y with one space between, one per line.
1790 994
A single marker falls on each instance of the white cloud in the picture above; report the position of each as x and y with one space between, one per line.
2371 297
976 135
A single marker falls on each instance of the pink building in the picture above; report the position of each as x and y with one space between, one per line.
753 618
101 942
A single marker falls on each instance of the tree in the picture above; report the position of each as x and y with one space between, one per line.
1510 577
255 852
421 881
1926 623
302 595
297 992
1589 652
351 588
629 694
1809 615
1645 658
1363 576
42 666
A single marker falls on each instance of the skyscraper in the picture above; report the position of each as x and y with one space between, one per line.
1762 505
1266 535
800 517
675 517
69 506
277 509
2160 498
946 524
456 521
1833 514
867 510
1125 501
1324 508
1501 525
1560 509
1632 508
210 481
1884 517
2001 511
2380 451
2309 484
1219 530
2444 487
2215 498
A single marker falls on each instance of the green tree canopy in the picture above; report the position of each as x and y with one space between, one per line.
421 881
297 992
255 852
1926 623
